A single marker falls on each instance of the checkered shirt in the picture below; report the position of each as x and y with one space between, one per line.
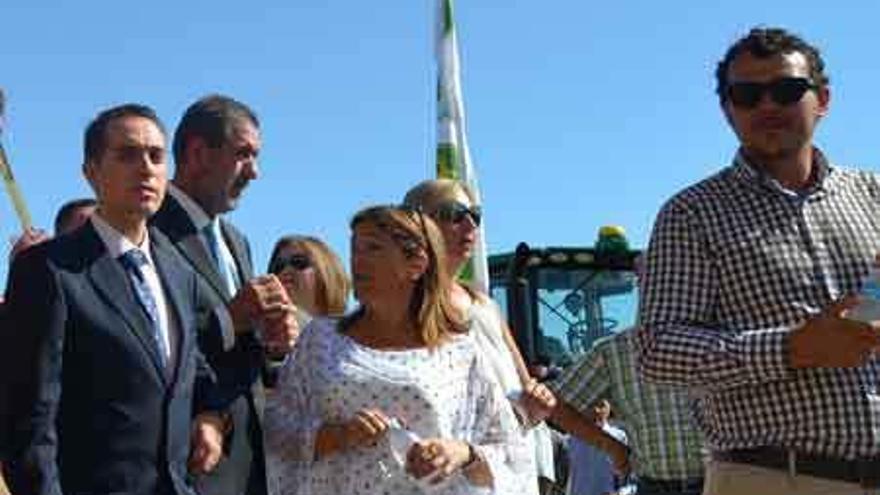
657 419
735 263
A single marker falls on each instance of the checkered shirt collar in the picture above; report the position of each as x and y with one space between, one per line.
750 173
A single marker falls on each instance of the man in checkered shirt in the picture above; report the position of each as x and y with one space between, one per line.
749 277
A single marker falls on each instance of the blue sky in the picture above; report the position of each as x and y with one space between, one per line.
580 113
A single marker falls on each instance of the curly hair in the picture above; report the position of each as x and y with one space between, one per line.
766 42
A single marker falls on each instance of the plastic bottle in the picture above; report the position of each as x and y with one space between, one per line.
401 440
868 309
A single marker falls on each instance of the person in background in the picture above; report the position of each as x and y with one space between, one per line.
73 215
313 276
590 469
451 204
667 447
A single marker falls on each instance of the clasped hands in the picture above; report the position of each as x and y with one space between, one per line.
263 305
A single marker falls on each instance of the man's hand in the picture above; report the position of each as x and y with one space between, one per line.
830 340
207 442
263 303
31 237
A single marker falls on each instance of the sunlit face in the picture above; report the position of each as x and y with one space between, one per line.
229 168
380 270
130 177
770 130
460 235
299 276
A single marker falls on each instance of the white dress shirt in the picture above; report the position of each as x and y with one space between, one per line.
117 245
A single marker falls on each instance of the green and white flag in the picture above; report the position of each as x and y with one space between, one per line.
453 155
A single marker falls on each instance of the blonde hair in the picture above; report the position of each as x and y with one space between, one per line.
332 283
429 194
431 311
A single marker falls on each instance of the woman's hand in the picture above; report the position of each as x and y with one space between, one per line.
438 458
365 429
538 401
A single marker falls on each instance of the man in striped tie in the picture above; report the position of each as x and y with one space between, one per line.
100 365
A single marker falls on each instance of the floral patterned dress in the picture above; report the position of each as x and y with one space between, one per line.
446 392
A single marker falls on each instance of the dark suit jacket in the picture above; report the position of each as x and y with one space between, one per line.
90 409
238 361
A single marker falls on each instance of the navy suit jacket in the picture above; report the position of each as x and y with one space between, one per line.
238 360
89 408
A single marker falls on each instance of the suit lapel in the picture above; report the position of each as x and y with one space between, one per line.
111 281
237 245
193 249
171 276
176 224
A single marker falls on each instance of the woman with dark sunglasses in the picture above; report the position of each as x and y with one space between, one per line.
312 274
451 204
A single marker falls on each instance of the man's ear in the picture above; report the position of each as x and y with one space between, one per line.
196 154
89 172
725 109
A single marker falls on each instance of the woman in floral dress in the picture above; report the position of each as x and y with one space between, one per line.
400 360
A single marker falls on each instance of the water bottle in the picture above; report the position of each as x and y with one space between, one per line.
401 440
868 309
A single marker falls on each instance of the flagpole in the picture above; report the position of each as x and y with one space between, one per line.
453 153
12 188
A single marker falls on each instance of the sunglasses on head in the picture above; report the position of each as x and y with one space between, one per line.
456 212
296 261
784 91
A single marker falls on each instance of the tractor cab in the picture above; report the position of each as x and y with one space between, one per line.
560 300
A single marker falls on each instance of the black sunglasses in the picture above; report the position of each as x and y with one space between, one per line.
784 91
456 212
296 261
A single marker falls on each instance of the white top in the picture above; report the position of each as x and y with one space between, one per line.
117 245
446 392
486 325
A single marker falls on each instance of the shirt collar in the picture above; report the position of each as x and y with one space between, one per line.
747 171
196 214
116 243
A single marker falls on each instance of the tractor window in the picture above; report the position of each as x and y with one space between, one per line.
576 307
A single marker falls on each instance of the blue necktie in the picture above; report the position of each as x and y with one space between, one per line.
214 240
133 260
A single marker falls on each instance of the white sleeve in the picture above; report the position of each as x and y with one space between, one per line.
495 433
291 419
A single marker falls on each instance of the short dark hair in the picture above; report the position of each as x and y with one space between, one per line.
67 209
766 42
211 118
96 132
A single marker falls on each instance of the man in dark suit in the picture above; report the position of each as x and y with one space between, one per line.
100 363
215 150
